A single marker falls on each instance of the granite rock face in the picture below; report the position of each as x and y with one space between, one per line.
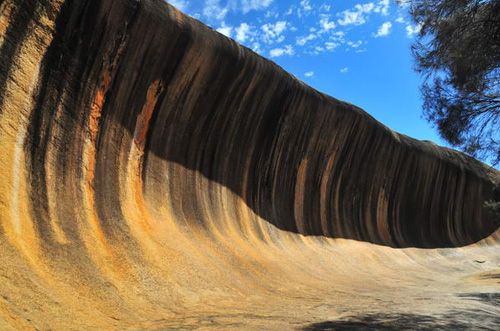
156 174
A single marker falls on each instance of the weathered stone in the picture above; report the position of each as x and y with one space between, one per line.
156 174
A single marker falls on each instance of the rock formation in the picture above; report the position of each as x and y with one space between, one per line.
156 175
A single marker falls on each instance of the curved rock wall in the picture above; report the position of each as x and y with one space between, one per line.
135 139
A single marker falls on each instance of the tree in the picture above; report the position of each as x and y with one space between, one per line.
458 52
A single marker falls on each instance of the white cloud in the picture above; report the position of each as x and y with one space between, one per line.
351 17
279 27
412 30
213 10
248 5
331 45
400 19
288 50
306 5
256 47
339 34
243 32
382 7
384 30
309 74
301 41
276 37
325 7
344 70
273 32
365 8
326 24
356 16
355 44
337 38
225 30
304 8
179 4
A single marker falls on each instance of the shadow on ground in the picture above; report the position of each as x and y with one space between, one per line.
462 320
488 298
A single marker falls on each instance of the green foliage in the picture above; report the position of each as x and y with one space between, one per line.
458 52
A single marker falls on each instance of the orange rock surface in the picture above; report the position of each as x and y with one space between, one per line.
157 175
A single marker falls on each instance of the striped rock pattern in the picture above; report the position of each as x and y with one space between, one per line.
156 174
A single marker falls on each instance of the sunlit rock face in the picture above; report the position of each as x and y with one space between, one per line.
155 174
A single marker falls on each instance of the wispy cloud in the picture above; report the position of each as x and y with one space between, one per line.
355 44
382 7
325 30
325 7
273 32
214 11
309 74
305 5
303 9
256 47
331 45
325 24
359 13
400 19
287 50
344 70
352 17
383 30
301 41
243 32
225 30
248 5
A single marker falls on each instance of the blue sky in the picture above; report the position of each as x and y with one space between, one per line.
354 50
